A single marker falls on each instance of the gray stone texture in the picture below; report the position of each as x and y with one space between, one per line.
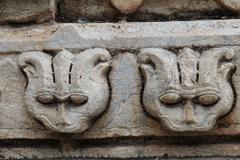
124 115
118 90
103 10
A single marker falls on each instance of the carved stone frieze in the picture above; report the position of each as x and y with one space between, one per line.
66 92
189 91
124 115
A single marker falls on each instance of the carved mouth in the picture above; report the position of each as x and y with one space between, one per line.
190 127
64 127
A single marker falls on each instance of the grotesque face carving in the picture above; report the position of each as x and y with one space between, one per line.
188 92
68 91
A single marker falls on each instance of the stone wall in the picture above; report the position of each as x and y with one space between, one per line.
126 79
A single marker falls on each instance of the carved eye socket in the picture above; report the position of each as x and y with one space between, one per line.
208 99
46 99
170 98
79 99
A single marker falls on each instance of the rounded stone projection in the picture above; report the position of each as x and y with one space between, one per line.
127 6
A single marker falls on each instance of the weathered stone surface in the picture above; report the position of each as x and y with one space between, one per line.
15 11
84 10
124 35
162 151
170 7
124 115
146 10
233 5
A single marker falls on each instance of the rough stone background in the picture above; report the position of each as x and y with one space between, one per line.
38 11
44 25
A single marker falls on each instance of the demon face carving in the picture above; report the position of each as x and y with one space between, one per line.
188 92
66 92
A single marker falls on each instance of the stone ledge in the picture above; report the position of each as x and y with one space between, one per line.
120 36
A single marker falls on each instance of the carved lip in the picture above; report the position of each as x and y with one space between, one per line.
66 129
190 127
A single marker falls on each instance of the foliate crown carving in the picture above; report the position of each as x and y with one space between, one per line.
188 92
66 92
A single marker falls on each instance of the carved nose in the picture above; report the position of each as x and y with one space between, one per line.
62 99
62 117
189 115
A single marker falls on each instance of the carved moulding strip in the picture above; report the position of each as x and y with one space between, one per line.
124 35
188 92
68 91
15 121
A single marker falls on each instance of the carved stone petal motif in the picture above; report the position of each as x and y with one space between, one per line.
233 5
127 6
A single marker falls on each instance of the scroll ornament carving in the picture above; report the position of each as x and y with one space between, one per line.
66 92
188 92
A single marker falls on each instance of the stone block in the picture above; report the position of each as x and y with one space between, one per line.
24 11
140 10
85 10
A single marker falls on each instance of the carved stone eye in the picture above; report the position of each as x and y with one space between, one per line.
170 98
208 99
46 98
79 99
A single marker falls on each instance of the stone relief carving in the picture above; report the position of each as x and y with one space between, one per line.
66 92
188 92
